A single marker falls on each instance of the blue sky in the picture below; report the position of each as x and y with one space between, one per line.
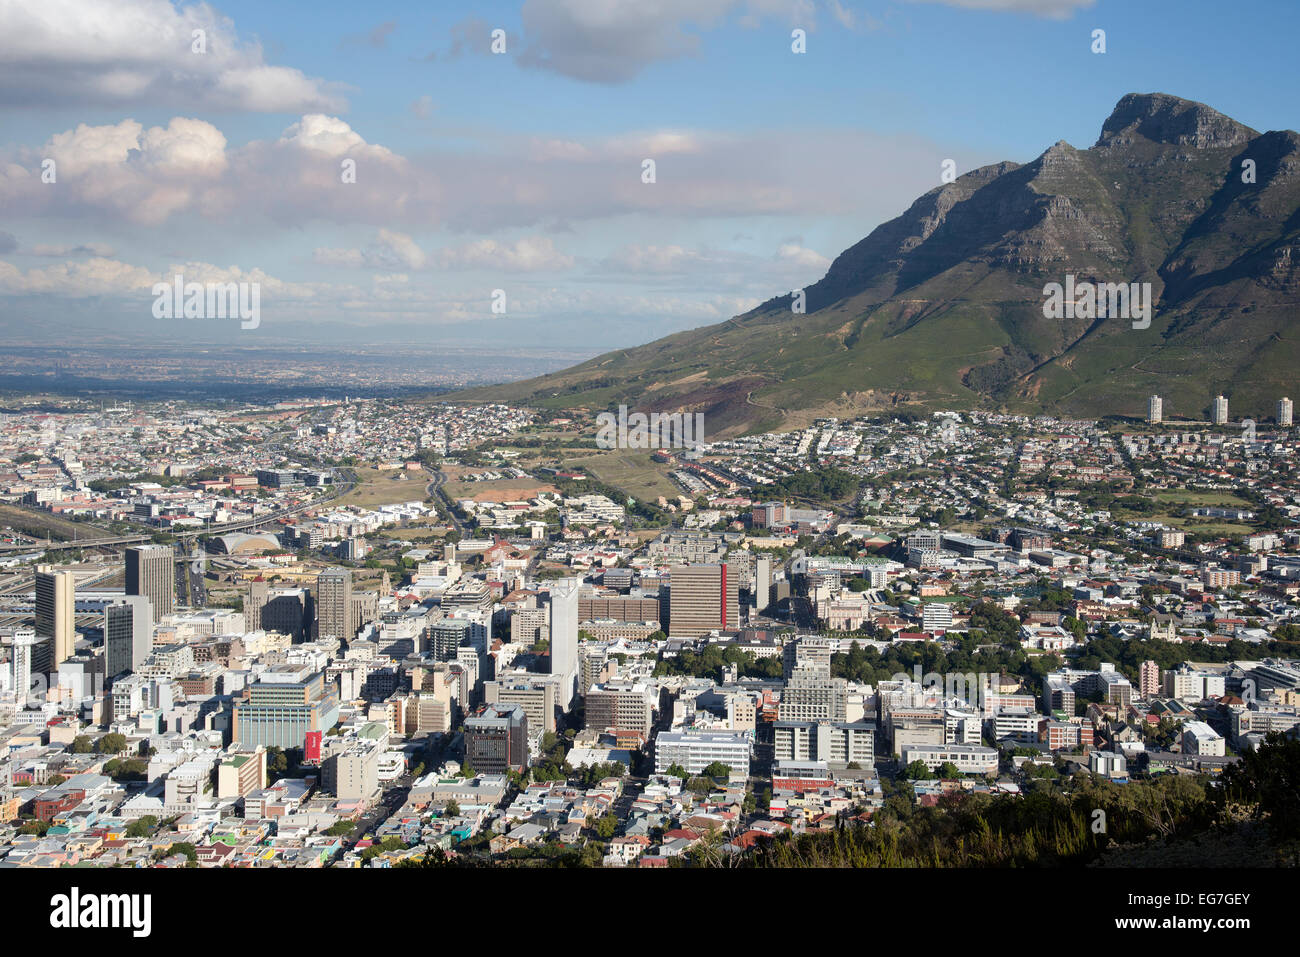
522 172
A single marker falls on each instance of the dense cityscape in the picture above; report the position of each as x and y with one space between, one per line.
363 634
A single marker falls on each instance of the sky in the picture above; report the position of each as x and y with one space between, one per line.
501 197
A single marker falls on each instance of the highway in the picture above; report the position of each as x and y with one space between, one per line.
435 489
340 489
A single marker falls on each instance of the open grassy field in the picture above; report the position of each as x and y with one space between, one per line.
1194 497
1204 527
1177 500
386 488
634 472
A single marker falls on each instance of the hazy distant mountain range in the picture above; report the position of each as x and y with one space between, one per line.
943 305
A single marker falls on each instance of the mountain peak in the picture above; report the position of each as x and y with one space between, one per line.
1162 118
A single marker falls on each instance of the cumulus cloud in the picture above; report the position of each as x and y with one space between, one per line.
76 280
142 52
124 170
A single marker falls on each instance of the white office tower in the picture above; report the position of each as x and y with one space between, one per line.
564 637
1284 410
1220 410
24 639
1155 410
762 583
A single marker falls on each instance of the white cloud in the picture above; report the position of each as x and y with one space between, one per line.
602 42
76 280
109 277
799 256
124 172
530 254
141 52
732 270
396 250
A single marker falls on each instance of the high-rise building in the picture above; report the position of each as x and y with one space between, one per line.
24 639
282 706
259 593
56 621
1284 412
288 611
1155 410
1149 678
128 635
762 590
936 616
537 694
703 598
496 739
1220 410
334 604
150 572
564 637
446 635
625 707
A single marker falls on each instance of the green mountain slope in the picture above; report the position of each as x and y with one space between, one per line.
943 305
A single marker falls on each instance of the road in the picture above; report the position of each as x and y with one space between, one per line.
340 489
388 805
435 489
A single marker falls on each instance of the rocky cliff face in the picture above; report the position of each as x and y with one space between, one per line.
1167 119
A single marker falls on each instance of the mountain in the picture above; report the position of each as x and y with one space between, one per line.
944 305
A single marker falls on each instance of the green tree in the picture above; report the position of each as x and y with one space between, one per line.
451 809
82 744
142 826
917 771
